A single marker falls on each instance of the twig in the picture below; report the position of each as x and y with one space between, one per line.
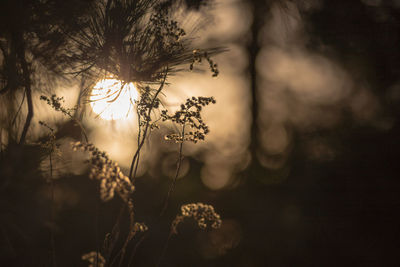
146 128
138 139
136 247
171 189
178 167
83 131
114 234
164 250
132 232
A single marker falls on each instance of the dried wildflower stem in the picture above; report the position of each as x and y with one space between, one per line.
50 145
164 250
138 143
178 167
122 251
115 232
133 230
135 157
203 214
111 238
192 119
108 173
82 129
136 247
111 180
171 189
55 103
129 237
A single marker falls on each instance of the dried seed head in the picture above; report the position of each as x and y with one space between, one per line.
95 259
189 115
202 213
107 172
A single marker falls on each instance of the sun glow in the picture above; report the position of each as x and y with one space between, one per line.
112 100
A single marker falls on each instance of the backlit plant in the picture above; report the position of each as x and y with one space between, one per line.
136 41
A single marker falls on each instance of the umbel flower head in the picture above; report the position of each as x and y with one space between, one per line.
107 172
203 214
189 115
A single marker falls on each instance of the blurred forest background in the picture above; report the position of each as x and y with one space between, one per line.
301 161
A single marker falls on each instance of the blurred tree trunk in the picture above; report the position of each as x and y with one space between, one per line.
26 75
260 9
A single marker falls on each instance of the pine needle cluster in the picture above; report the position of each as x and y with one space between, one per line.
133 41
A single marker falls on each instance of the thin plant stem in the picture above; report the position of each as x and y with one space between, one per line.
178 167
82 129
164 250
165 204
122 251
77 121
171 189
138 142
136 247
129 237
146 127
114 234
